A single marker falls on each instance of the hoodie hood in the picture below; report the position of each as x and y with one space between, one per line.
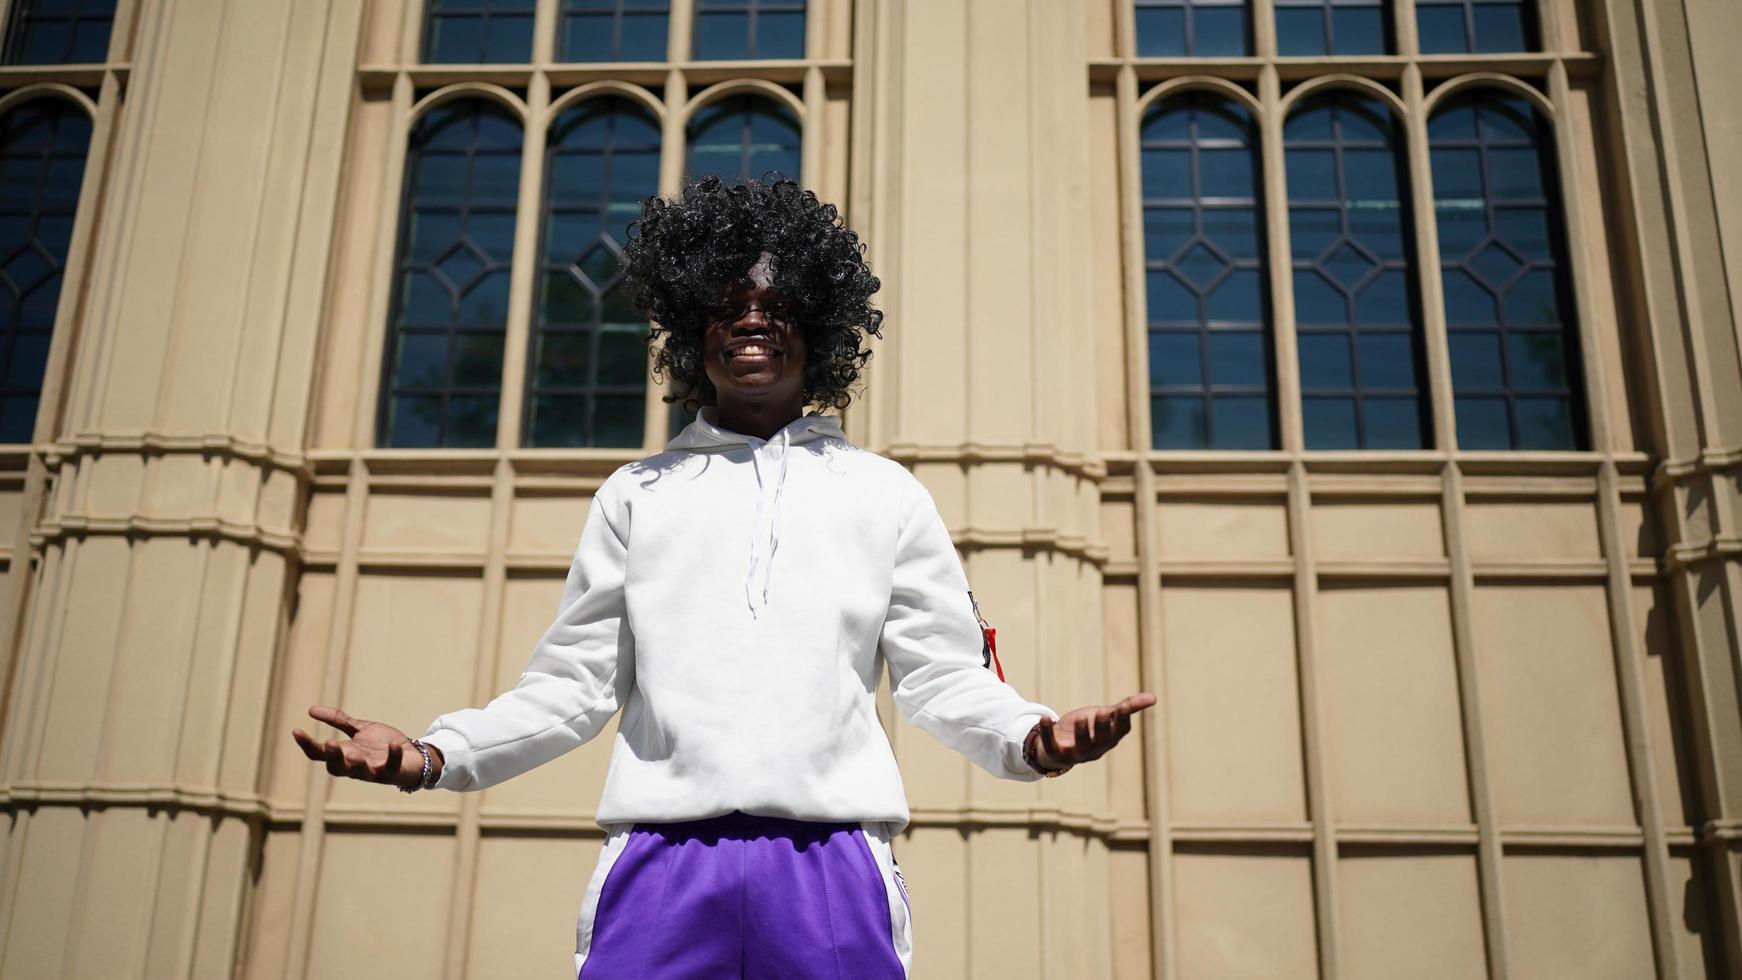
705 435
768 461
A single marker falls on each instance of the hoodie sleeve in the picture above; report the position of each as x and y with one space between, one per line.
581 670
932 642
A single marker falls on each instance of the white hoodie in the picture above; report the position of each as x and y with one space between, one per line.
746 670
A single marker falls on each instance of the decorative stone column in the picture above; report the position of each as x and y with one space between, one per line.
164 528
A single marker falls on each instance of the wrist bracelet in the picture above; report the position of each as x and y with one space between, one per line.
1031 754
424 781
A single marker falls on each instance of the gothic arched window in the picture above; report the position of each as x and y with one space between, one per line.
1502 258
587 378
1203 246
1356 311
450 299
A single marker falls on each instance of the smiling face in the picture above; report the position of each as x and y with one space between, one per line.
756 353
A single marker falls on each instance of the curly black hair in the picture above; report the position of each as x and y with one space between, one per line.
683 252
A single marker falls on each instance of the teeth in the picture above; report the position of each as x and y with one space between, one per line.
753 349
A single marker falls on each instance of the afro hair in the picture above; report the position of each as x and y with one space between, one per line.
683 253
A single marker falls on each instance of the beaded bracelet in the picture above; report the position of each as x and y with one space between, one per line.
423 782
1031 755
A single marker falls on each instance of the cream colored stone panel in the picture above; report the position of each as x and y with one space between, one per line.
271 907
11 502
1245 917
1118 528
1124 772
45 883
1527 531
932 266
1639 528
121 852
1005 933
547 525
407 627
1128 907
1416 916
570 784
354 916
82 660
934 865
147 680
1394 743
1352 530
1653 615
1232 708
445 523
298 687
991 500
528 893
1223 527
1578 916
1553 721
324 527
1694 938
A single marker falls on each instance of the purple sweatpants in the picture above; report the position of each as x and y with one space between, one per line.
745 897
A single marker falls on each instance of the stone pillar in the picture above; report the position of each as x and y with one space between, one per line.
164 534
972 194
1683 198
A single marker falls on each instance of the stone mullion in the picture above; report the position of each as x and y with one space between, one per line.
1152 664
524 266
1319 809
1428 277
1489 849
1280 262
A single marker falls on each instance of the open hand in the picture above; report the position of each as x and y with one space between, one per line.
1086 734
374 753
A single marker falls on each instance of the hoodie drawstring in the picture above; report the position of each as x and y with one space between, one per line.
760 559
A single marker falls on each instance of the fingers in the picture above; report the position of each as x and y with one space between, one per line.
1135 703
1049 738
336 718
390 769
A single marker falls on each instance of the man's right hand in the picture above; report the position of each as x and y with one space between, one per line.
374 752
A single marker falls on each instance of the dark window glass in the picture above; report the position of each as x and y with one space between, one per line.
42 161
744 136
731 29
613 30
1333 27
1209 351
443 370
1467 26
587 370
1192 28
1509 320
737 138
1355 304
471 32
59 32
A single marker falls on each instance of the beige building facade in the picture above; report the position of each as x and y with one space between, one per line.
1370 391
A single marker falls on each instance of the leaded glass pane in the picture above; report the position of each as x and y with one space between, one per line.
59 32
42 160
613 30
1192 28
744 136
1209 349
443 375
1355 308
739 29
470 32
587 378
1512 342
1473 26
1332 27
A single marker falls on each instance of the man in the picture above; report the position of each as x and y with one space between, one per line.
752 794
